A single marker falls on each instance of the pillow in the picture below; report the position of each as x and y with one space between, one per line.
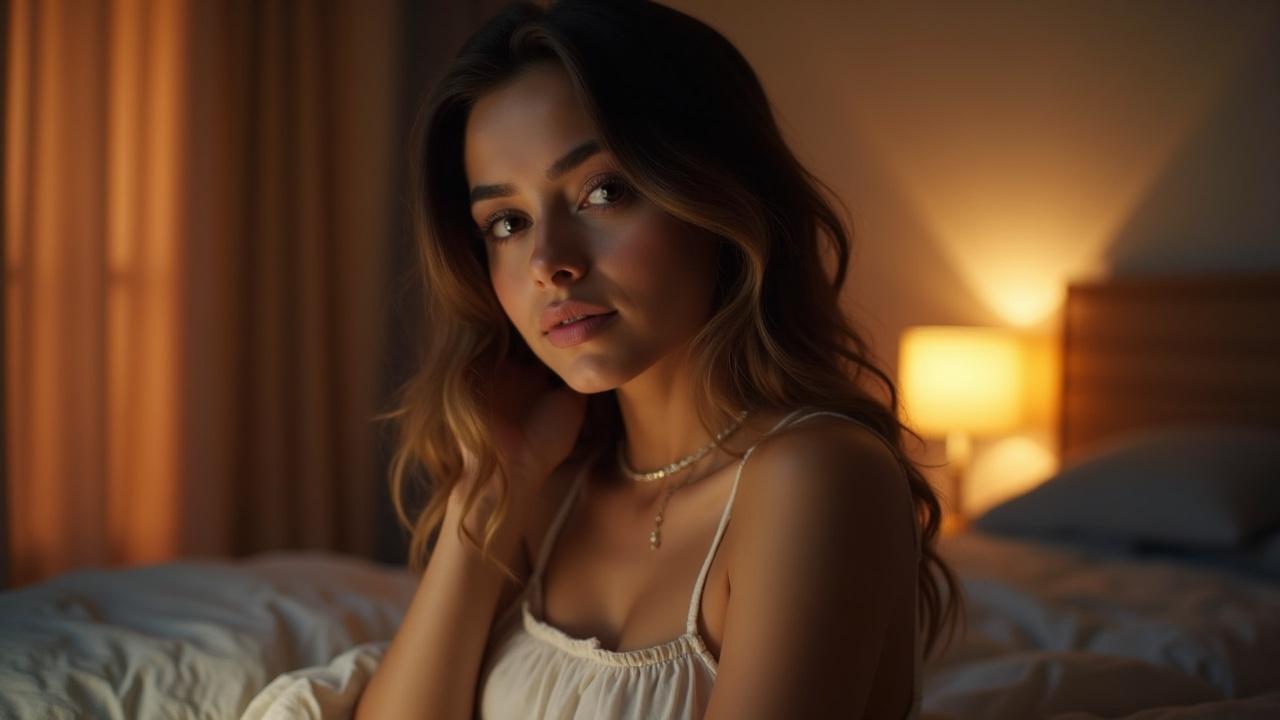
1268 554
1185 486
1258 559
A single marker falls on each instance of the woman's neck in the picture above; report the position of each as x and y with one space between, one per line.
659 417
660 425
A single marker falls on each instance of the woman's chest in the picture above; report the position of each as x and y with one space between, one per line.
603 580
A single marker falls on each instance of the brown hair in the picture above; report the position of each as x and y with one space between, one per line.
689 123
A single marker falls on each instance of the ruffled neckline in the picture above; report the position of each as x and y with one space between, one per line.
590 648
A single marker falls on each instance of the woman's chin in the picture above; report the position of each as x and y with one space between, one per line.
589 386
589 380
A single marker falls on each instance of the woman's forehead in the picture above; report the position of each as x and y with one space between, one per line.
521 127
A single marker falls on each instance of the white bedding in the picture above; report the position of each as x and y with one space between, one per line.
1054 632
1059 631
196 639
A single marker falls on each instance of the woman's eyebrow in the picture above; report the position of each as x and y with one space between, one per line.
571 159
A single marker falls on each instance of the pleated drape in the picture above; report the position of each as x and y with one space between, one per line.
200 201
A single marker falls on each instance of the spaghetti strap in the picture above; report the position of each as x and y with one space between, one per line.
544 551
695 602
553 531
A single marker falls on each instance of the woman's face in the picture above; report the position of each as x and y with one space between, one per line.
563 224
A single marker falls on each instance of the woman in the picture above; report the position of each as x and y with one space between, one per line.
626 301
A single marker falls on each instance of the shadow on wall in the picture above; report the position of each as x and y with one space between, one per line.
1214 207
877 275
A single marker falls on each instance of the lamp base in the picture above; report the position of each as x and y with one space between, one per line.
954 523
959 450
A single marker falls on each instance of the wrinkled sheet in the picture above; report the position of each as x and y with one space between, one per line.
1054 632
194 639
1071 632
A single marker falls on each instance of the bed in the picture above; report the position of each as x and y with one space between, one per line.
1142 581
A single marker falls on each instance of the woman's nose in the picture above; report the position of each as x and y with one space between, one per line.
559 256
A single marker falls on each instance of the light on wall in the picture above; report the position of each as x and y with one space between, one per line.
958 382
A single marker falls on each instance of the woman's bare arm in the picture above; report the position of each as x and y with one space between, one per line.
433 663
432 667
821 562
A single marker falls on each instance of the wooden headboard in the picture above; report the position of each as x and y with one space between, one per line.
1140 352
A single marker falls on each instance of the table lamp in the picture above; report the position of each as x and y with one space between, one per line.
957 382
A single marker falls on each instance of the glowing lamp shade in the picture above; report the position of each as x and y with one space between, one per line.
961 379
958 382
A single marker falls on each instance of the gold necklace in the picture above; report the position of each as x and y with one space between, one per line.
655 537
683 462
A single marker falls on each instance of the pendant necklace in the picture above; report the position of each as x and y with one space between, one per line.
655 537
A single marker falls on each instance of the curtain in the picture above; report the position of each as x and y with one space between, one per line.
200 204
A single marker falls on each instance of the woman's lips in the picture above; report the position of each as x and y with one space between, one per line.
580 331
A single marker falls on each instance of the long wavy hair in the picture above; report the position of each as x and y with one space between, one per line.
688 121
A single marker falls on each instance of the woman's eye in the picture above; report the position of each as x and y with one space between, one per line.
606 195
608 192
503 226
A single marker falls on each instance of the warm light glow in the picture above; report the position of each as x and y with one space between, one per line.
94 262
1024 294
1008 467
1004 186
961 379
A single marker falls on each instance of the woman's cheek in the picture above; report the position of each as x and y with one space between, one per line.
642 258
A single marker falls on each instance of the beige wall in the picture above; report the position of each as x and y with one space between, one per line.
990 152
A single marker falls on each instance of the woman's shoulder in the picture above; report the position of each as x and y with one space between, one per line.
823 470
818 438
826 453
